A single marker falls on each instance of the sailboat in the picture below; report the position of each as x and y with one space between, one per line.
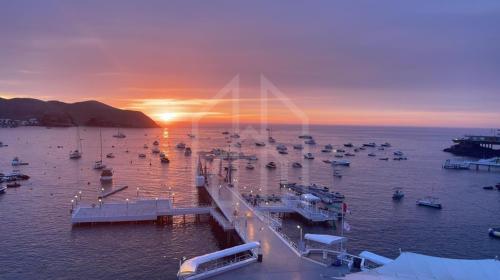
77 153
269 137
119 134
98 164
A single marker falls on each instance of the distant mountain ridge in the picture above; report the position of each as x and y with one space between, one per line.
85 113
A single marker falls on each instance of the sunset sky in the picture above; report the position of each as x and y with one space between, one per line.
424 63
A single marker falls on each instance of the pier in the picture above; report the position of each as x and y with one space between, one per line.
111 192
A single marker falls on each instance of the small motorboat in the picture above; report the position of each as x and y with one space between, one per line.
494 232
155 150
371 144
356 150
164 159
156 143
326 151
398 194
283 152
298 147
271 139
107 175
349 155
386 144
337 174
348 145
381 148
488 188
16 162
305 136
2 189
180 146
308 156
341 162
76 154
237 144
398 153
271 165
327 161
188 151
249 166
328 147
296 165
99 165
362 148
235 135
260 144
372 155
3 145
142 155
145 146
431 202
339 155
14 184
400 158
310 142
110 155
119 134
384 158
190 135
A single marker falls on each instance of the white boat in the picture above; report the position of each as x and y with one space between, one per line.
77 153
119 134
339 155
429 201
2 189
180 146
298 147
99 164
296 165
310 142
341 162
107 175
308 156
155 150
260 144
16 162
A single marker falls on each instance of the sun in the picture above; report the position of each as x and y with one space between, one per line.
167 117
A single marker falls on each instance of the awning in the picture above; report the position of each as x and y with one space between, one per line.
310 198
378 259
324 238
189 267
416 266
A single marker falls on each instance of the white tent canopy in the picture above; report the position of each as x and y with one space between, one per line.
324 238
310 197
415 266
189 267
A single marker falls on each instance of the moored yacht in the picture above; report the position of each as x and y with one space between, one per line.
310 142
188 151
16 162
348 145
76 154
110 155
107 175
155 150
99 165
119 134
308 156
341 162
386 144
296 165
298 147
371 144
271 165
260 144
429 201
180 145
156 143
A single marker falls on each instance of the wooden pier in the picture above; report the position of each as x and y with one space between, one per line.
112 191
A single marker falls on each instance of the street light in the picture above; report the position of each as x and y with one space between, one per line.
137 191
300 228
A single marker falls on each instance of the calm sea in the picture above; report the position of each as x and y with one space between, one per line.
37 240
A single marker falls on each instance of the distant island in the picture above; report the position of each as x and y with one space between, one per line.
29 111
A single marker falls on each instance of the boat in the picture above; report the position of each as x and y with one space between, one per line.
235 135
372 155
298 147
271 165
371 144
156 143
362 148
249 166
296 165
110 155
142 155
341 163
488 188
327 161
326 151
349 155
155 150
337 174
145 146
2 189
188 151
386 144
3 145
494 232
398 153
384 158
77 153
99 164
225 132
270 139
164 158
403 158
348 145
328 147
283 152
180 145
237 144
398 194
14 184
260 144
356 150
308 156
381 148
429 201
119 134
107 175
339 155
16 162
310 142
190 135
305 136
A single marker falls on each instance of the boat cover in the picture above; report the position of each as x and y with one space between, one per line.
416 266
324 238
378 259
189 266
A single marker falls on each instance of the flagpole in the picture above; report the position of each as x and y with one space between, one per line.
342 230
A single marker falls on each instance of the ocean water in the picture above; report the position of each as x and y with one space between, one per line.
37 240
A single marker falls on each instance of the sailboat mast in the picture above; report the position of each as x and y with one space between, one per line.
100 136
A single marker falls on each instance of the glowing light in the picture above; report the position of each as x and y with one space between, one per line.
167 117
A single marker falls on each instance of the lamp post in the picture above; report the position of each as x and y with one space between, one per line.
156 202
72 205
301 243
100 202
127 204
137 191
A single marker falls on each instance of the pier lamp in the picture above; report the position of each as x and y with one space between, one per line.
173 198
80 193
102 190
100 202
72 201
156 202
300 228
137 191
76 199
127 203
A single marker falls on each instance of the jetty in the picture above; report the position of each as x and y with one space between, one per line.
489 164
112 191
